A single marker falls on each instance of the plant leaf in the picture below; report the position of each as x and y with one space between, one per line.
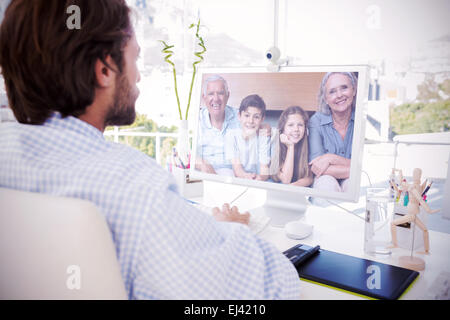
166 50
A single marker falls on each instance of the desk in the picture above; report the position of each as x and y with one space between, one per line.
334 230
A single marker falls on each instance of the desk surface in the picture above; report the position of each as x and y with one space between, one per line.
338 231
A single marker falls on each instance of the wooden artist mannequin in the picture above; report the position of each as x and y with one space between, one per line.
415 190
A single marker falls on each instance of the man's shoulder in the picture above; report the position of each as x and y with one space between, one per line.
231 117
318 119
203 119
230 111
124 155
133 172
7 127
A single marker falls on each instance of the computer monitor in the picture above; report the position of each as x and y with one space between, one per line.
298 132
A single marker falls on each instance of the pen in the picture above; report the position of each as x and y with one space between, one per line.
406 199
177 159
427 188
189 161
181 163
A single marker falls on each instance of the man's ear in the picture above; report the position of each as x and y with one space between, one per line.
104 75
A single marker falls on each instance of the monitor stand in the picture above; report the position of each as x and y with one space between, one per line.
282 207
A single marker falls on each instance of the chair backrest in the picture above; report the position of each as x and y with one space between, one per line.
55 248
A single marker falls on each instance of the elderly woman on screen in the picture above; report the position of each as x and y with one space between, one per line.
331 132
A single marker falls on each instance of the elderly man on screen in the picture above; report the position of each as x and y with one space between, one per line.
214 122
331 132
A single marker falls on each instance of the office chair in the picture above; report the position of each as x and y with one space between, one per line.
55 248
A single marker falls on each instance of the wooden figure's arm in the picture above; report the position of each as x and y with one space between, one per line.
422 203
423 185
400 174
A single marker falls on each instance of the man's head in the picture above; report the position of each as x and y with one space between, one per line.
215 96
48 67
121 110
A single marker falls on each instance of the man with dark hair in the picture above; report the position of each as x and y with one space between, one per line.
65 86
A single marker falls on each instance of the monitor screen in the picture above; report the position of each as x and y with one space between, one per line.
299 130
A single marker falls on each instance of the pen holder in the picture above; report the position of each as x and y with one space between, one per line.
187 187
379 210
405 231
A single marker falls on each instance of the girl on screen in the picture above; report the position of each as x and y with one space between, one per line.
248 147
290 154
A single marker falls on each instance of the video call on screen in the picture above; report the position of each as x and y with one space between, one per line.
278 127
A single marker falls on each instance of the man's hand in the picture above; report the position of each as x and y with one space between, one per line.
320 164
249 175
261 177
206 167
230 215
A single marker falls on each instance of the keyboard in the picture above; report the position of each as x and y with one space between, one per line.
257 223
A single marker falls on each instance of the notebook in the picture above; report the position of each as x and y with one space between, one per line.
360 276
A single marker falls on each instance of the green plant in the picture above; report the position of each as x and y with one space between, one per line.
167 50
410 118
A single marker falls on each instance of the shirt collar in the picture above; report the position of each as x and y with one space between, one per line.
229 115
327 118
74 124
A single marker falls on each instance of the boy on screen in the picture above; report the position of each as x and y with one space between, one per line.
248 148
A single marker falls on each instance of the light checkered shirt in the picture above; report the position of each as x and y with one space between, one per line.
167 249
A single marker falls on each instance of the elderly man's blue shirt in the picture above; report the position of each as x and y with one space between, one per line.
211 141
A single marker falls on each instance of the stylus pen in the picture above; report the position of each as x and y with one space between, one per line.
427 188
181 163
191 202
306 256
